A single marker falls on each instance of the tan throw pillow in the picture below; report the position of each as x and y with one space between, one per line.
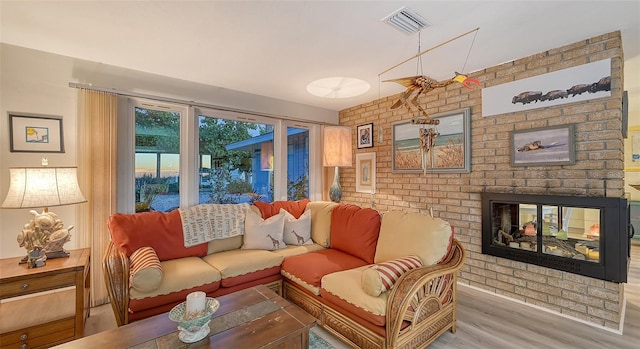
321 221
381 277
407 234
145 270
263 234
297 231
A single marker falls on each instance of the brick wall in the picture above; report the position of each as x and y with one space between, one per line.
598 172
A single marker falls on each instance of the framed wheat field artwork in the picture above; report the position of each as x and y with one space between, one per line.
449 151
366 173
553 145
35 133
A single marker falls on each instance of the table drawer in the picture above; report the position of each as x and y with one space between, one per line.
36 284
40 336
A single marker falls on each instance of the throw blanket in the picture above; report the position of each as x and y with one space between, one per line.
203 223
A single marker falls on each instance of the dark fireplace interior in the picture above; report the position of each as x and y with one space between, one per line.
582 235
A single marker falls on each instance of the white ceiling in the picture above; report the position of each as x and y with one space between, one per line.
275 48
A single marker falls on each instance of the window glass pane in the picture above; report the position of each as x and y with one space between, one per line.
236 161
581 227
157 160
297 163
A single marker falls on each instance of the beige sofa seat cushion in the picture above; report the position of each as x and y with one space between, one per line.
293 250
346 285
321 221
240 262
404 234
181 274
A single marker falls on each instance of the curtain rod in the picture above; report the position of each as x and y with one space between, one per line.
182 101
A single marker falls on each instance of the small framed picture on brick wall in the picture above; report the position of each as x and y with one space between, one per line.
553 145
365 136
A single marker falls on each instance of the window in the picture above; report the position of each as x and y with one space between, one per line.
171 156
157 159
236 160
297 163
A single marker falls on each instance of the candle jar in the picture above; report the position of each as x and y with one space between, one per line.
195 305
194 329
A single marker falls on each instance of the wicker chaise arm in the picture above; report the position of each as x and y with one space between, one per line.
424 300
116 275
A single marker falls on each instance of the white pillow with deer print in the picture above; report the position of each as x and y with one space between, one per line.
297 231
263 234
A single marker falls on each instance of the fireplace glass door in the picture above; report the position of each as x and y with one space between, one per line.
581 235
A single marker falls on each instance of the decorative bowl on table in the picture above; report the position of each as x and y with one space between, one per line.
193 328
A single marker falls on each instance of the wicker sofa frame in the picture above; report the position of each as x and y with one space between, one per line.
421 306
115 265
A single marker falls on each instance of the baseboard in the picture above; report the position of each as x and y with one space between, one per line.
618 331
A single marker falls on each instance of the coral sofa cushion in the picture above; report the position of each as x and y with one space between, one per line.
240 266
296 208
321 221
343 288
380 278
404 234
297 231
263 234
354 230
161 231
308 269
145 270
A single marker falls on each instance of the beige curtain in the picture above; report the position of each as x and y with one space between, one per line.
97 114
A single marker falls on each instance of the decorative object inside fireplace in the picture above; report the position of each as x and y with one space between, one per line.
583 235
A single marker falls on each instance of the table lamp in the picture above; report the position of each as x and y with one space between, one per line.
32 187
337 152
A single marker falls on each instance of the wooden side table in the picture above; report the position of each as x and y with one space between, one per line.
45 306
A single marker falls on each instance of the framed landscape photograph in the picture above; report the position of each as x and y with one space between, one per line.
35 133
366 173
365 136
451 152
553 145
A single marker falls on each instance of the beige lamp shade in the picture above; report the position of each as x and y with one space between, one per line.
43 187
337 146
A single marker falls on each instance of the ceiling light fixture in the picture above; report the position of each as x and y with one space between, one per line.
338 87
407 21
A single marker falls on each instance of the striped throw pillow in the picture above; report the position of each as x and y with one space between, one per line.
381 277
145 271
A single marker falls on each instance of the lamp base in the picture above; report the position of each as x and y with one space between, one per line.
50 255
335 191
35 258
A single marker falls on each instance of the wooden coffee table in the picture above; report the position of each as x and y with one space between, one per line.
252 318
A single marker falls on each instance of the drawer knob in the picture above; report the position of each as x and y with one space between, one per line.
24 337
25 286
24 346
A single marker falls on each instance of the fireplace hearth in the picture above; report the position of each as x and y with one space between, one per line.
582 235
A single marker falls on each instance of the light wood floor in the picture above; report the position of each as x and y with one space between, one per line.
488 321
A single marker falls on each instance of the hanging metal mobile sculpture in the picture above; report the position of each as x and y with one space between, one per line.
419 85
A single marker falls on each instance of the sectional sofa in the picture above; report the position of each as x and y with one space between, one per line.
375 281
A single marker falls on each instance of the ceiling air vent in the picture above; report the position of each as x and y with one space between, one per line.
407 20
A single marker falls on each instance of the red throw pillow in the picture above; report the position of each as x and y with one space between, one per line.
296 208
355 230
161 231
